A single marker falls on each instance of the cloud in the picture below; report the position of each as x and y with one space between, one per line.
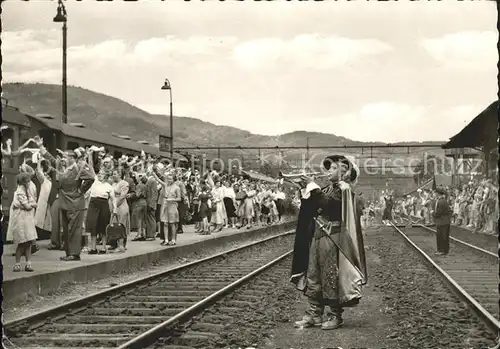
311 51
388 122
382 99
30 54
397 122
101 52
29 40
382 120
464 50
170 46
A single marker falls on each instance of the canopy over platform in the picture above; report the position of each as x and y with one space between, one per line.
481 132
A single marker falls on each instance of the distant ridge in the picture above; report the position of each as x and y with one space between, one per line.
111 115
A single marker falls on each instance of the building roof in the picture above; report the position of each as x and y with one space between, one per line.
14 116
480 132
103 138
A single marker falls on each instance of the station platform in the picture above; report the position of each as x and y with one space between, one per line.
51 273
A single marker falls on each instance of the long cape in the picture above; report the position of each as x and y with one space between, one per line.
352 261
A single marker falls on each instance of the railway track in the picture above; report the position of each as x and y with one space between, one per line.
484 241
136 314
210 328
470 271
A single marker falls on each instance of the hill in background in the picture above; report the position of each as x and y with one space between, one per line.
112 115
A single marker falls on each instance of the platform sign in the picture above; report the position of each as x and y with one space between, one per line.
164 143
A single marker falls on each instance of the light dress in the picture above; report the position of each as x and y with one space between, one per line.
170 208
122 210
22 218
43 216
249 212
219 214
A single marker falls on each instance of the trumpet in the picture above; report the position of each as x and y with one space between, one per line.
299 177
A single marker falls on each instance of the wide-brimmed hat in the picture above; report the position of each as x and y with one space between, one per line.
347 160
334 158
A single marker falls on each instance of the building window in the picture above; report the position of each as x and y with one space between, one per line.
72 145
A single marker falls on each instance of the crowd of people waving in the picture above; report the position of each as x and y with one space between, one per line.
84 191
474 205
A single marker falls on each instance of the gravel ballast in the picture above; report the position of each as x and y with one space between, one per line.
486 242
404 306
426 313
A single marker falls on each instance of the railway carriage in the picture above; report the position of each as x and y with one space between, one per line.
21 127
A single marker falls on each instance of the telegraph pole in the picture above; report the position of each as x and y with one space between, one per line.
307 151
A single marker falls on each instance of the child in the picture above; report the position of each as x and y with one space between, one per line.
22 221
204 209
265 209
273 211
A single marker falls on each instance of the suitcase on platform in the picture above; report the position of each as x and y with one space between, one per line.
115 231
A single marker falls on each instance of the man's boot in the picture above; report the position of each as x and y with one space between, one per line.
312 317
333 320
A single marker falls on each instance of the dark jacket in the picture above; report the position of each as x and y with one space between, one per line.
73 184
328 201
442 213
152 192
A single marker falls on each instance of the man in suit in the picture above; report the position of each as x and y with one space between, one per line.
442 218
56 241
131 198
182 206
152 200
74 182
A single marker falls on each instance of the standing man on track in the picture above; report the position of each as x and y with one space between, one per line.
442 218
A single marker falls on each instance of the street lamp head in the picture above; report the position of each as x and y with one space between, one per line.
166 85
61 15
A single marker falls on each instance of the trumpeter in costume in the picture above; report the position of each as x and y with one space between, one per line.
329 264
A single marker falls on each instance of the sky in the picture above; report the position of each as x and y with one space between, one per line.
368 71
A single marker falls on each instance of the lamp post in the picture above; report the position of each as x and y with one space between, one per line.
62 17
167 86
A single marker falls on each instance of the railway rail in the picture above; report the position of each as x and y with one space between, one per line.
137 314
484 241
471 272
210 328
